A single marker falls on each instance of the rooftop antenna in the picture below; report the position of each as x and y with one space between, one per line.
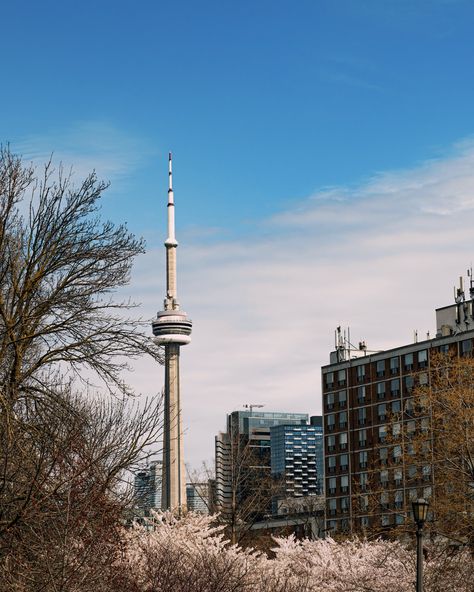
459 295
471 282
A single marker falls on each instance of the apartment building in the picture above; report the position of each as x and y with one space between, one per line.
368 479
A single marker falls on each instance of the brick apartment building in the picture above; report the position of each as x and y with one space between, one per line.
362 391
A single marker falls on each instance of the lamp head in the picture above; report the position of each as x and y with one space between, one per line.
420 510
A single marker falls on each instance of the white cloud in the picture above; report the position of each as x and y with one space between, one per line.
87 146
378 257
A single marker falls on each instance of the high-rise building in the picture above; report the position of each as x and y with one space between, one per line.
362 393
172 329
296 452
147 488
243 455
197 496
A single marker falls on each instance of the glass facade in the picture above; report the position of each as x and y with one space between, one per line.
297 457
147 488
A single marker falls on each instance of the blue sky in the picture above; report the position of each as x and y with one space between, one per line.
262 102
335 132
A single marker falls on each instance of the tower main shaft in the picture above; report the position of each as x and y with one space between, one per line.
172 329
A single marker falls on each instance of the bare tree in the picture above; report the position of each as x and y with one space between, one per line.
246 487
63 454
63 499
429 452
59 266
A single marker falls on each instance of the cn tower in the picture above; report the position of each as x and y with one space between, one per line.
172 329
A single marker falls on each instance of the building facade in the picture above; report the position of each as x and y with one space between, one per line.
147 488
242 455
197 497
296 454
366 395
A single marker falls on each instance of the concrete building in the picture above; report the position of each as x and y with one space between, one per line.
172 329
243 453
362 392
147 488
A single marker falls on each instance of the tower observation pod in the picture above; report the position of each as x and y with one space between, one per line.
172 329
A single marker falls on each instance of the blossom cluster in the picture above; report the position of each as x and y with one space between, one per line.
191 555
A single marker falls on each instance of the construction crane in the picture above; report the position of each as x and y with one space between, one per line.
253 406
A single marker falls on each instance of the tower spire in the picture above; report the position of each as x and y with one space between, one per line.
171 240
171 301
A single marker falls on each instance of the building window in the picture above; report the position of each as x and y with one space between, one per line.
427 492
466 348
361 394
412 471
344 504
382 433
396 406
380 390
332 506
408 362
409 383
382 411
397 453
341 377
329 380
364 521
362 415
344 462
384 478
363 503
383 455
380 368
363 456
363 481
331 443
385 520
426 472
384 500
444 349
332 485
396 429
362 438
423 378
343 419
330 421
394 365
343 441
331 464
361 373
399 519
423 358
330 401
399 499
409 406
342 398
398 477
345 483
395 387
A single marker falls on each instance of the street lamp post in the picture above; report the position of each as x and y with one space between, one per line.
420 511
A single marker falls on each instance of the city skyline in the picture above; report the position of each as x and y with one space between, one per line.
324 159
